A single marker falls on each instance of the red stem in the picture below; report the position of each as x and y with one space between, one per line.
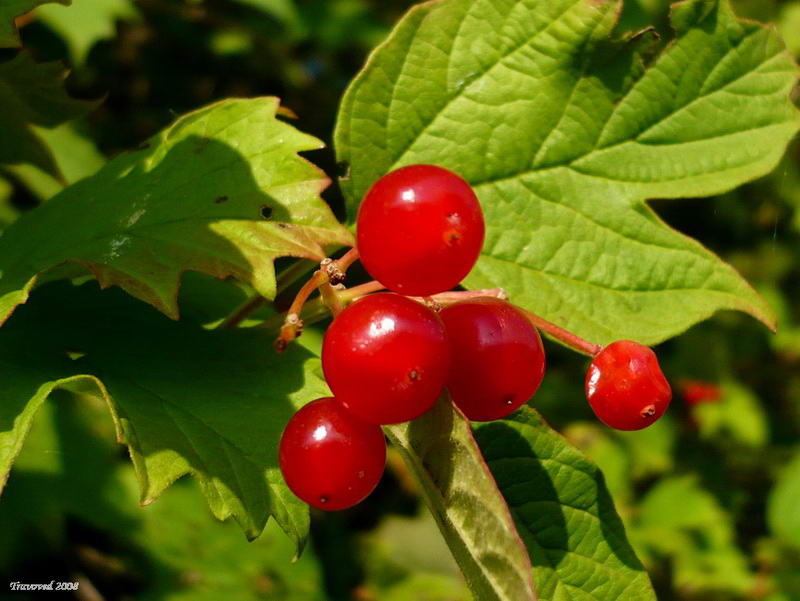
572 340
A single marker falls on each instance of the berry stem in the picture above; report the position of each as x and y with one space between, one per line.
330 272
347 259
571 340
253 303
300 313
350 294
293 324
453 296
330 298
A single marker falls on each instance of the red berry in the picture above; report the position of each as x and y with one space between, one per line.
697 392
497 357
386 358
420 230
625 386
330 458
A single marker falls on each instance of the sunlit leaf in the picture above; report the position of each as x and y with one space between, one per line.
222 191
564 133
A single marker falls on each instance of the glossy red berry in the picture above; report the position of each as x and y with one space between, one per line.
626 387
386 358
420 230
330 458
497 357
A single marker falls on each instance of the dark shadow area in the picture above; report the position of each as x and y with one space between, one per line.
216 399
56 524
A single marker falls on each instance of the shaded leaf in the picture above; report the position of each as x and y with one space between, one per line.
9 11
285 11
184 399
699 538
425 587
782 507
464 500
563 511
86 22
75 156
564 134
407 558
33 94
71 469
738 414
195 198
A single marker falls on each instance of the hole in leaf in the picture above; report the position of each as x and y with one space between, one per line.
266 211
343 170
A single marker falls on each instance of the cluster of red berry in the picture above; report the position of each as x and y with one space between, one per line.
387 357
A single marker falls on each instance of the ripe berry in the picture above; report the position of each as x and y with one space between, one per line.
420 230
697 392
386 358
497 357
330 458
625 386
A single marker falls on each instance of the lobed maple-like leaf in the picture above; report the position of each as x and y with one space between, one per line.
86 22
33 94
221 191
186 400
9 11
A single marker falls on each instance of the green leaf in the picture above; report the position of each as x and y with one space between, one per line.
186 400
652 450
464 500
32 94
563 511
407 558
193 199
607 452
699 538
789 26
70 469
9 11
86 22
425 587
76 157
738 414
782 513
8 212
565 133
178 534
285 11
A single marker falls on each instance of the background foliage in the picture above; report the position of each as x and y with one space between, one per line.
709 495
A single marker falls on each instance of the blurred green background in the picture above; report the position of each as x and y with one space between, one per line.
710 495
